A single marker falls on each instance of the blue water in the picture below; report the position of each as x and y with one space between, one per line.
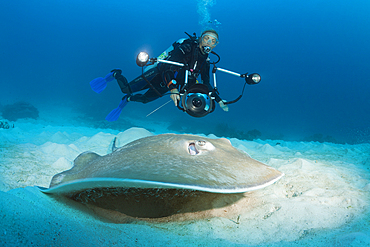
313 57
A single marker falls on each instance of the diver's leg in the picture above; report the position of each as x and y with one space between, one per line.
122 81
149 96
141 82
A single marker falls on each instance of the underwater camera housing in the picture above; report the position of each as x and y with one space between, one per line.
196 101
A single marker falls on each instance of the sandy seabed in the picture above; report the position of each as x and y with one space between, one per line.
323 199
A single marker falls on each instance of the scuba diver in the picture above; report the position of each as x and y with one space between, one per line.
174 72
171 78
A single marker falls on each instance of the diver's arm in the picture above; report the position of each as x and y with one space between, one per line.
179 54
168 71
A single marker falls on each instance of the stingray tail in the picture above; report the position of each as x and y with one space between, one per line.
114 147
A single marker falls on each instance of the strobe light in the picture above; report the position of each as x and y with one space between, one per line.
142 59
253 79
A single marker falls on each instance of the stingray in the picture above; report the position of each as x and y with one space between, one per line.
157 176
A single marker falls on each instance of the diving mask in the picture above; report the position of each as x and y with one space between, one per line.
209 39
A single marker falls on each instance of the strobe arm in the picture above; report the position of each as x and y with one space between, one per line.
143 59
251 79
168 62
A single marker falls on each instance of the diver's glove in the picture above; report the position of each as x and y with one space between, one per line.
223 105
175 95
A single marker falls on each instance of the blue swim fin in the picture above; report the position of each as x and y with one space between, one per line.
100 83
114 115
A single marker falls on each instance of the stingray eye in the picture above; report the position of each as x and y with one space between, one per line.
192 149
201 143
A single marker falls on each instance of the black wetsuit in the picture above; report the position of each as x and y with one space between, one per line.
161 76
